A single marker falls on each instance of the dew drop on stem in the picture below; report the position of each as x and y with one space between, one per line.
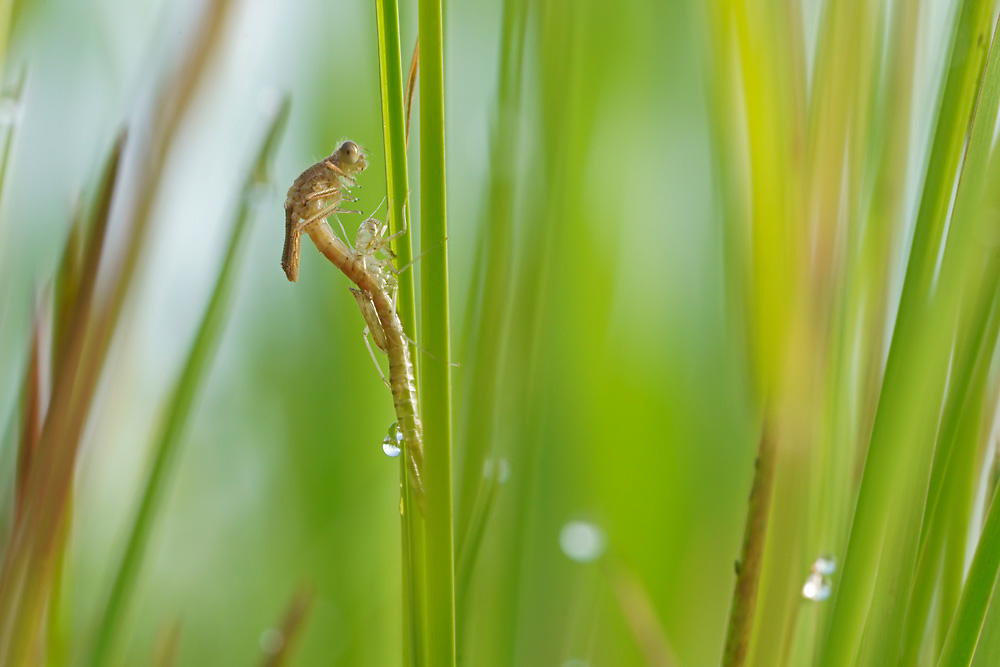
392 445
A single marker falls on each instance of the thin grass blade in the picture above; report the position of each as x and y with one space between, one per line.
960 645
291 628
488 299
435 377
395 128
182 400
909 371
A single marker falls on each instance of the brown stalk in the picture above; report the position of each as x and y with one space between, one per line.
411 84
68 282
20 573
640 616
291 627
28 562
31 417
167 645
748 567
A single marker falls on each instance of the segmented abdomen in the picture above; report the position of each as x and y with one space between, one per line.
404 397
401 376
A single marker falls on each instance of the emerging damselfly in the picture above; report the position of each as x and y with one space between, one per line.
373 277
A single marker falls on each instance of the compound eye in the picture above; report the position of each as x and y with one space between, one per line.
350 151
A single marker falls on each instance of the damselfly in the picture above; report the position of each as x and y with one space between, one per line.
315 194
375 282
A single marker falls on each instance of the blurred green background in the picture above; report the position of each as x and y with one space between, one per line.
614 362
629 407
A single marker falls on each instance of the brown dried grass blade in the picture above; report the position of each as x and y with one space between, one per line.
411 84
291 628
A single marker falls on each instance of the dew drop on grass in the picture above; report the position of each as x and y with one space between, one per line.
271 640
392 445
825 565
582 541
10 111
816 588
498 467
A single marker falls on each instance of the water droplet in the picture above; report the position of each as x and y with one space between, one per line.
10 110
496 466
392 445
817 587
503 470
271 641
582 541
825 565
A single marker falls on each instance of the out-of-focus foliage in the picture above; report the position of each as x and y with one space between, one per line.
668 223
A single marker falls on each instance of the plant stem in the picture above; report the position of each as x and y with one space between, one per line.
435 376
181 402
916 366
744 603
397 189
960 645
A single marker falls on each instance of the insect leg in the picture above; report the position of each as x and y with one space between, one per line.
421 348
395 295
373 327
346 238
319 216
343 174
320 194
380 206
371 352
414 260
332 208
371 318
386 240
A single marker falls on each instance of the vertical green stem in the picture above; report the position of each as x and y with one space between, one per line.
435 376
394 136
397 190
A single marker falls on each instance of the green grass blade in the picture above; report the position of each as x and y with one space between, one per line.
911 377
397 190
988 647
394 136
969 617
435 376
182 399
954 465
959 297
489 298
963 635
